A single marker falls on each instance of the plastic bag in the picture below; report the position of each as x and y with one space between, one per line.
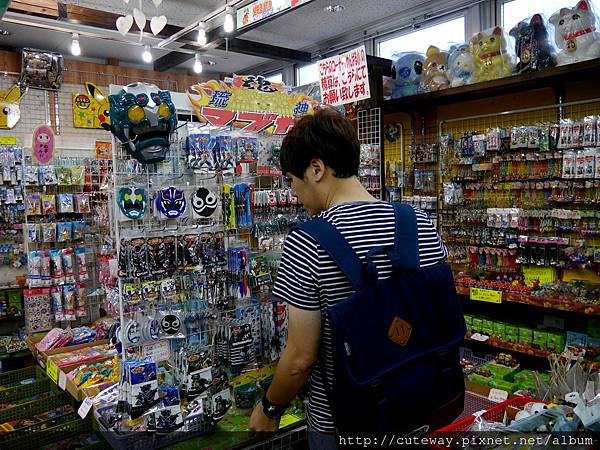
434 70
460 65
492 55
533 46
575 33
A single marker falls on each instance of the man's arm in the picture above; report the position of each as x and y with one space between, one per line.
299 357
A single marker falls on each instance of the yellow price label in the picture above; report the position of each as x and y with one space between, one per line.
486 295
52 370
8 140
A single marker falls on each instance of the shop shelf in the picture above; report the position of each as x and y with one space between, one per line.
72 427
510 85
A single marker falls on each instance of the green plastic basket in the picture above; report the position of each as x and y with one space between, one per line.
36 407
27 390
15 376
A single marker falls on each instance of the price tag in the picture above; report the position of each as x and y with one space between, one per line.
486 295
8 140
62 380
497 395
85 407
52 370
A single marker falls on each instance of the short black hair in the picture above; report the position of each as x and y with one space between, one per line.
326 135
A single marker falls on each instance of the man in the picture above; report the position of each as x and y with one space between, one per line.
321 156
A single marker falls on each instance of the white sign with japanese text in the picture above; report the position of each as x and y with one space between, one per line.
262 9
345 78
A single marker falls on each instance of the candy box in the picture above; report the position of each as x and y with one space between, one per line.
477 324
500 371
487 327
503 384
499 329
556 342
479 379
511 333
468 321
525 336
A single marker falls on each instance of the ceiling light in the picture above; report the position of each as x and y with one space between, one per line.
202 39
198 64
228 25
333 8
211 62
75 47
147 56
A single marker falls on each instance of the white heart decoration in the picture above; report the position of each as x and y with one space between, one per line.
140 19
157 24
156 2
124 24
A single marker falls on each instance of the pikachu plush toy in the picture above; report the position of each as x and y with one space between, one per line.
490 55
10 111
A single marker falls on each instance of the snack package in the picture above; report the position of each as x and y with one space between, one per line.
492 55
47 176
589 169
575 33
580 164
48 204
46 268
34 204
69 301
56 264
32 177
57 303
82 203
77 175
79 228
34 233
63 175
533 46
34 269
82 273
589 131
81 300
68 265
48 232
65 203
64 231
407 70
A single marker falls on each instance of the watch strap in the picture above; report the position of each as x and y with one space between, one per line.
272 411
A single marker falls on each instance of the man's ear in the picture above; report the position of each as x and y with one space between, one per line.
317 169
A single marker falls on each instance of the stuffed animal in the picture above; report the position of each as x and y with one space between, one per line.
434 70
407 69
460 65
532 45
575 34
10 112
490 56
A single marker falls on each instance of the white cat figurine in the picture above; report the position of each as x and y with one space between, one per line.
575 34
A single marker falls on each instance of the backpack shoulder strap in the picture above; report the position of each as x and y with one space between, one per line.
405 255
337 247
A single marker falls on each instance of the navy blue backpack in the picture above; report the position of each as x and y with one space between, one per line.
395 341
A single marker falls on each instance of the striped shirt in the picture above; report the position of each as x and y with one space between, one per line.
309 279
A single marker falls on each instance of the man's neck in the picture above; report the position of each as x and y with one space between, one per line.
347 190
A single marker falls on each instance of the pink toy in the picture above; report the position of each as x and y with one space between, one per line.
575 34
43 144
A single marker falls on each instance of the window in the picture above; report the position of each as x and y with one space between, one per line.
275 77
440 35
307 74
514 11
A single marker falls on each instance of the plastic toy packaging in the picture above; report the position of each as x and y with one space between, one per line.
566 134
79 230
47 176
48 232
492 55
68 265
407 70
57 303
590 131
65 203
533 46
58 275
34 204
32 177
575 33
34 268
569 162
46 268
69 300
434 70
64 231
200 157
82 203
460 65
171 324
82 273
247 149
48 204
82 300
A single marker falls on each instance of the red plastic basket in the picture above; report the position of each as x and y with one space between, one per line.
493 414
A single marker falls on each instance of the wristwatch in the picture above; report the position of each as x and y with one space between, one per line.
272 411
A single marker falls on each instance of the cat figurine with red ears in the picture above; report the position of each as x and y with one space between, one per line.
575 34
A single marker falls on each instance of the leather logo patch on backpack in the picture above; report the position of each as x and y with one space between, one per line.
399 331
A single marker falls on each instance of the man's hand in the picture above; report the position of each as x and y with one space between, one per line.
260 422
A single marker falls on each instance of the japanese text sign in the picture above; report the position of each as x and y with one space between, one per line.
345 78
262 9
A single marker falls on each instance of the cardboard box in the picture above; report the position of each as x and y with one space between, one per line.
43 356
72 388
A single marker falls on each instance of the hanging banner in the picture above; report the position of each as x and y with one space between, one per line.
261 9
345 78
91 108
249 102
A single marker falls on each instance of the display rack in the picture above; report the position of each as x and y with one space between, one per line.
369 136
